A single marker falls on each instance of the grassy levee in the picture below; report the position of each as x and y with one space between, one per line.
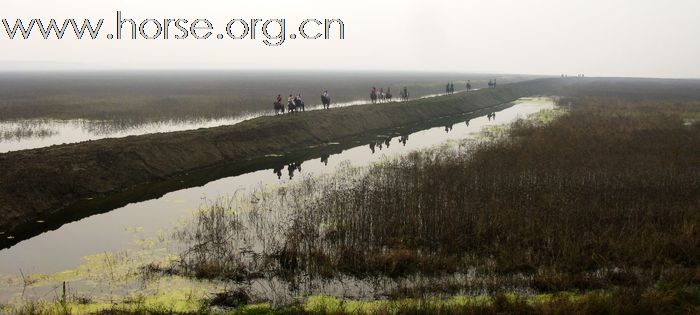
37 183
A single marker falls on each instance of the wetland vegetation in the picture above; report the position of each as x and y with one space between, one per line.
601 201
591 208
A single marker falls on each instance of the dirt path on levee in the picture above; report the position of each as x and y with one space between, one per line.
38 183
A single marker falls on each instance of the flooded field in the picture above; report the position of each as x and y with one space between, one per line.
38 133
130 228
44 109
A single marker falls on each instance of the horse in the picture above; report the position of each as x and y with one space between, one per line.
373 97
291 107
404 95
279 108
491 84
469 86
299 104
388 95
326 101
382 97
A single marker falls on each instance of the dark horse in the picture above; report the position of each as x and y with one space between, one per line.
404 94
326 101
492 83
299 104
387 95
373 97
279 108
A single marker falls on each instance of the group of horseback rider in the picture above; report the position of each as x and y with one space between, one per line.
492 83
450 88
295 103
382 96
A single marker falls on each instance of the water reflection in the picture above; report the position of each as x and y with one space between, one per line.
18 131
324 159
278 171
37 133
113 231
296 166
293 167
380 144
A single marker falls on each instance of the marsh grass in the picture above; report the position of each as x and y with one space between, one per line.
594 211
605 196
25 130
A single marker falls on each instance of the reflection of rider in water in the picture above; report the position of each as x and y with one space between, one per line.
296 166
278 171
290 170
403 139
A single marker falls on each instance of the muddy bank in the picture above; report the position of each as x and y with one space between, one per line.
35 184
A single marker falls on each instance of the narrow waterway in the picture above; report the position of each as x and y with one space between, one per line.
118 229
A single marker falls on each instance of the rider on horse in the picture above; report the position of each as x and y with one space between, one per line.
290 103
278 104
299 103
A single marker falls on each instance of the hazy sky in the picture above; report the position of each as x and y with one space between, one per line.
597 37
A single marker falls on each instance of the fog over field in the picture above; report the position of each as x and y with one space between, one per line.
649 38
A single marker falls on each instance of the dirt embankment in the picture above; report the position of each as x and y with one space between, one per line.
40 182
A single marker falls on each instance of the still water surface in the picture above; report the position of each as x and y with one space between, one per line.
118 229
